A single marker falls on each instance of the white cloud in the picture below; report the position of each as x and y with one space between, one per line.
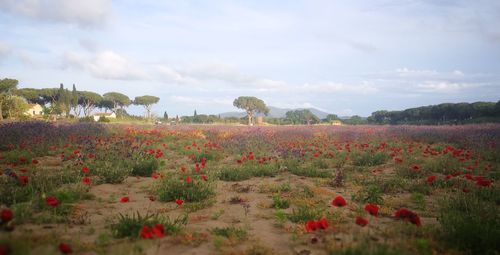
88 13
5 49
442 86
105 65
405 72
458 73
170 75
331 87
191 101
230 75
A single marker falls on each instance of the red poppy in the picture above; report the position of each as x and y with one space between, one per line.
415 168
431 179
188 179
179 202
86 181
339 201
52 201
372 209
322 224
6 215
310 226
158 231
23 180
483 182
361 221
65 248
155 175
408 215
466 190
85 169
146 233
4 249
34 161
124 199
204 177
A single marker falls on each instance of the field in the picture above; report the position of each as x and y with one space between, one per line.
130 189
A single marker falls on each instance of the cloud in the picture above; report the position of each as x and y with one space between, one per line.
170 75
331 87
231 76
191 101
105 65
405 72
88 13
442 86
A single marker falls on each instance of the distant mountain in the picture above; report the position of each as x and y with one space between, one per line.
275 112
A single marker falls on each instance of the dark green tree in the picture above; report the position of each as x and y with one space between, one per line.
251 105
6 86
147 102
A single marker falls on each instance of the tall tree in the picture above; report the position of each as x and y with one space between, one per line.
165 115
304 116
147 102
6 86
251 105
74 101
31 95
118 99
88 100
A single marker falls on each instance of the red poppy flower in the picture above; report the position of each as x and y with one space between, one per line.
86 181
4 249
431 179
124 199
465 190
34 161
158 231
179 202
146 233
310 226
52 201
339 201
188 179
155 175
6 215
408 215
483 182
65 248
23 180
322 224
415 168
85 169
372 209
361 221
204 177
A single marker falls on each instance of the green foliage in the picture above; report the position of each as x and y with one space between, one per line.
111 170
247 171
368 249
233 233
368 158
144 165
470 223
172 188
369 194
126 225
304 116
280 203
304 213
251 105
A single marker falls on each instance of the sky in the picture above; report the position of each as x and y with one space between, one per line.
343 57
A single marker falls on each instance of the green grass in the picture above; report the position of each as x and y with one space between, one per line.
125 225
172 188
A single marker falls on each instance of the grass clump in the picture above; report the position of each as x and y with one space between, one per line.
126 225
196 190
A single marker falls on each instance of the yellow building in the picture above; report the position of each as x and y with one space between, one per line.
34 110
337 123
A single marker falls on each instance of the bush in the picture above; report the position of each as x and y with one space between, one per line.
369 194
305 213
280 203
144 165
470 223
171 189
130 225
247 171
111 171
367 158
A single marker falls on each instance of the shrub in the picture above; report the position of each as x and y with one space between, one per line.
171 189
280 203
234 233
305 213
130 225
369 194
144 165
111 171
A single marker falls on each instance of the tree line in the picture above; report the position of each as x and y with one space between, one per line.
64 102
447 113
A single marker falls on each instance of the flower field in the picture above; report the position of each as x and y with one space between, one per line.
123 189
